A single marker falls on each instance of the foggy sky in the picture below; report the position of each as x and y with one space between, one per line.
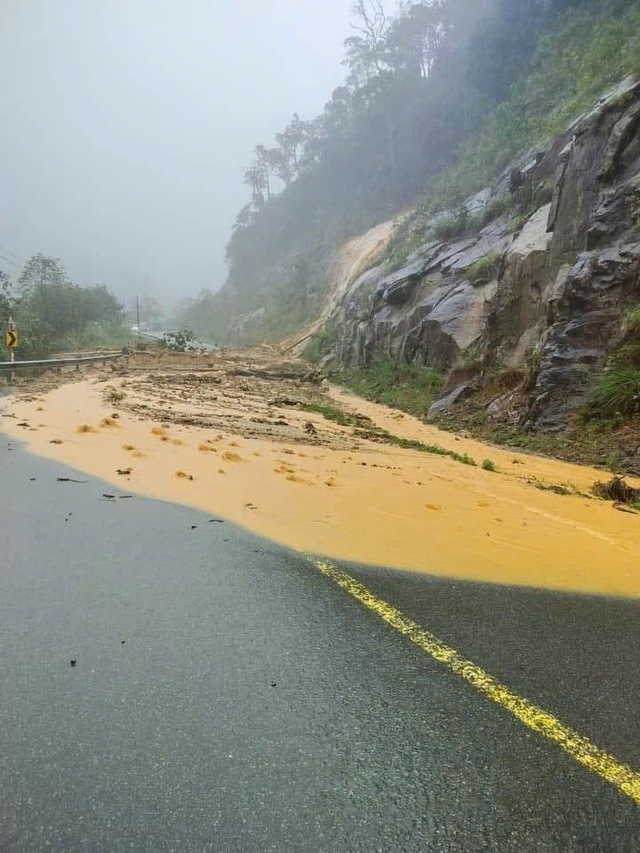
127 125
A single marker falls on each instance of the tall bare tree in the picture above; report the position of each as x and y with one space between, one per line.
365 51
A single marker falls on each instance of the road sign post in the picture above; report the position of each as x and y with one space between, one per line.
11 342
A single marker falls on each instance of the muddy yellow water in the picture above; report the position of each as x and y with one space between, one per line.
377 504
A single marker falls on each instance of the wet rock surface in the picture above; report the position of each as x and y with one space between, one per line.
565 278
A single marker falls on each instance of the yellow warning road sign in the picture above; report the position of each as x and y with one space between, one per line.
11 337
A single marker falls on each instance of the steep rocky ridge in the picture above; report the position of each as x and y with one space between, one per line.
551 291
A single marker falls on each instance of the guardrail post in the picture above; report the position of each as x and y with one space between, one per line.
9 367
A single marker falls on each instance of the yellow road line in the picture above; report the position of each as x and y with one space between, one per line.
578 747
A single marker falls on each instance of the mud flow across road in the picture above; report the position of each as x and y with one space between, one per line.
264 441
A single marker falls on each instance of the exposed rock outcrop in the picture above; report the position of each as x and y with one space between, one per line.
557 286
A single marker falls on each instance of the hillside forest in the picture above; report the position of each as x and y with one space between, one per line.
54 314
438 99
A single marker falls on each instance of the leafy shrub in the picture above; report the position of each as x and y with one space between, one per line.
495 209
463 222
321 343
633 318
485 269
405 386
616 390
628 355
408 238
456 225
488 465
518 222
532 364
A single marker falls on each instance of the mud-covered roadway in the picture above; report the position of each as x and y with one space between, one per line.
265 441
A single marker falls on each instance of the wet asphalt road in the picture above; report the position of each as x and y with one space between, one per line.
227 697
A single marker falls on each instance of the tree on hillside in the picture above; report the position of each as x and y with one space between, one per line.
365 52
414 38
51 311
256 178
39 286
292 141
39 273
267 161
419 85
5 299
100 306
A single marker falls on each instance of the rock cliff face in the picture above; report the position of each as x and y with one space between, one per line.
553 290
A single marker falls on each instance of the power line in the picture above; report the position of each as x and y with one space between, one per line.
13 254
10 261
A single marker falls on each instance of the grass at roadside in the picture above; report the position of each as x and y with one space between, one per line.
365 428
411 444
402 386
338 416
609 444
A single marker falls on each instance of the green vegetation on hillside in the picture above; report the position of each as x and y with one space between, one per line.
615 392
590 48
54 314
402 386
437 101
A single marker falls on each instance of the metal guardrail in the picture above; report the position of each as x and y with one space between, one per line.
85 353
43 363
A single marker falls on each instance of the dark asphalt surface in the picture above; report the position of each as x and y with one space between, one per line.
254 706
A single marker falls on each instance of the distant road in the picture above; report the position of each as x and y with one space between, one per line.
228 696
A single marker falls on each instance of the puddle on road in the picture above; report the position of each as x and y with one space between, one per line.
374 504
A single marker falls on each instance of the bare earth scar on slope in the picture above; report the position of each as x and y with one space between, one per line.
244 436
356 256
